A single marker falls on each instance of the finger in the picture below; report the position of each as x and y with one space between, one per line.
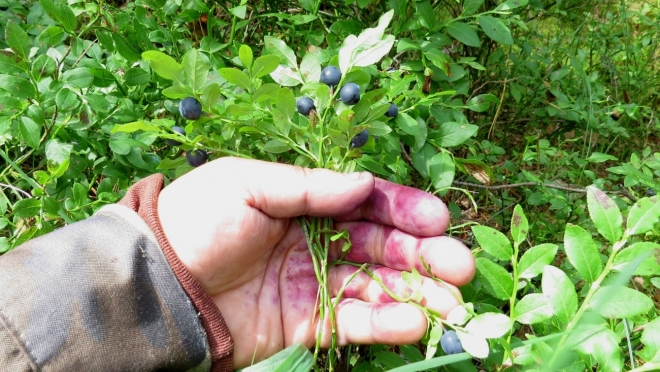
447 258
284 191
359 322
440 297
406 208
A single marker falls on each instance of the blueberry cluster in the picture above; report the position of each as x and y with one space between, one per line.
190 109
349 94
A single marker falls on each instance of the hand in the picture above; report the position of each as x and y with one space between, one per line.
231 224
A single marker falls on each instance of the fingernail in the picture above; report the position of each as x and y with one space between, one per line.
355 176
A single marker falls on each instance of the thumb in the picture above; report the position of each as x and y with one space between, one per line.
285 191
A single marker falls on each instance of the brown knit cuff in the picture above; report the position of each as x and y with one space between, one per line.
142 197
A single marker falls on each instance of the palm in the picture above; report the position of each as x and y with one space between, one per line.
251 257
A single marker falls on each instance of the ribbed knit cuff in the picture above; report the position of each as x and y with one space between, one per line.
142 197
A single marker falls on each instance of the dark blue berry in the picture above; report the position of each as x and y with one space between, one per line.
450 343
650 192
330 76
360 139
305 105
196 157
190 108
179 130
350 94
393 111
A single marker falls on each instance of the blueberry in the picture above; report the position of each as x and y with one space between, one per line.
196 158
650 192
350 94
393 111
360 139
305 105
190 108
450 343
179 130
330 76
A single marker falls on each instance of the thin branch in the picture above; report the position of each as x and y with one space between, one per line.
16 189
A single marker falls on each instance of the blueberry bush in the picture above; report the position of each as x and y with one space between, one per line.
536 121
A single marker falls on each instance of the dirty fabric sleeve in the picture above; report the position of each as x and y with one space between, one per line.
103 294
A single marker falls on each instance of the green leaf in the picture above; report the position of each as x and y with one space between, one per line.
286 76
482 102
18 87
266 91
66 18
441 170
276 147
43 66
66 99
51 9
560 292
605 214
57 152
125 49
264 65
519 225
453 134
367 48
473 345
286 102
495 29
211 95
11 63
162 64
295 358
464 33
648 267
372 165
495 278
493 242
471 6
106 40
620 302
489 325
194 70
643 215
79 194
535 259
426 14
136 76
600 343
651 337
532 309
310 68
582 252
18 39
239 11
30 132
27 208
134 127
178 91
236 77
53 35
246 57
78 78
510 4
599 157
279 48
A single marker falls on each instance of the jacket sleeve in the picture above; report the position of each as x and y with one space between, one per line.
103 295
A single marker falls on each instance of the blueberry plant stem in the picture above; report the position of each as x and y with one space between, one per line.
586 303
